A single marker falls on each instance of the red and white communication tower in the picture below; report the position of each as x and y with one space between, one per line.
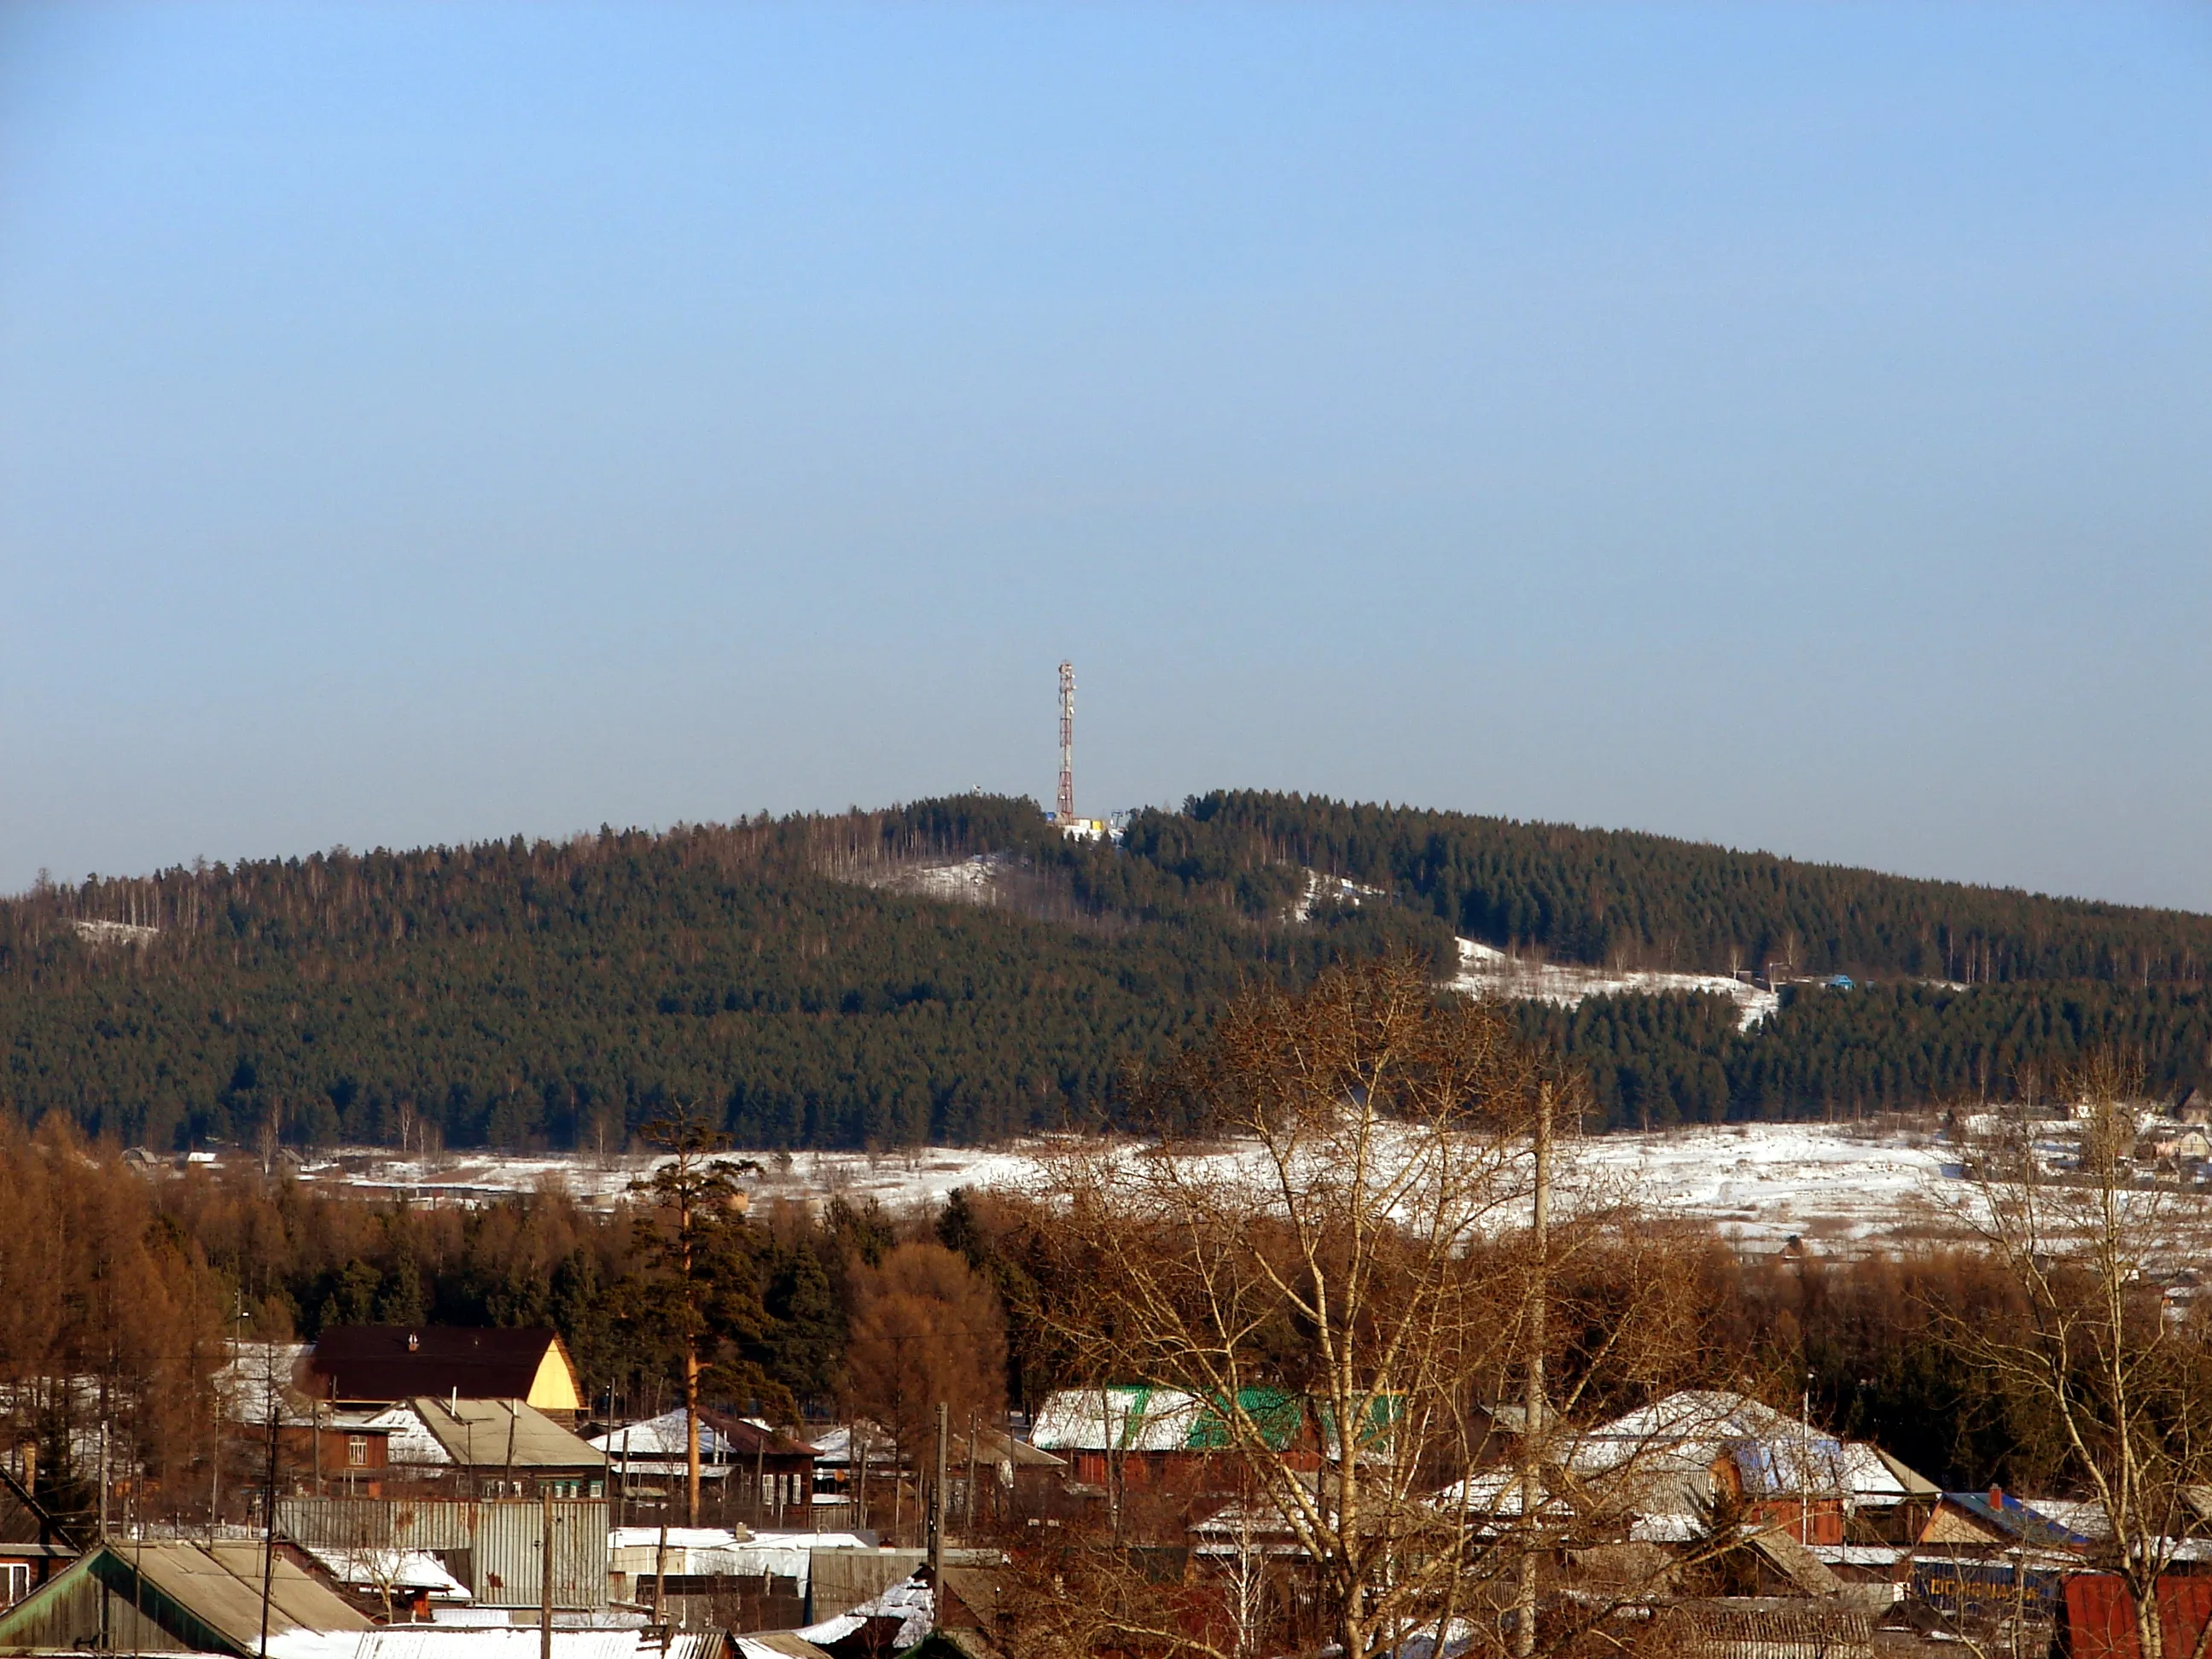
1066 812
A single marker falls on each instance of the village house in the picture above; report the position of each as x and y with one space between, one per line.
1667 1463
491 1448
746 1468
319 1447
172 1597
383 1365
1137 1436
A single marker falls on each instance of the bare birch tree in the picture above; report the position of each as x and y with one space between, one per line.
2124 1381
1344 1266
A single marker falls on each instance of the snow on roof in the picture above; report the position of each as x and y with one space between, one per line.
663 1437
488 1642
1138 1420
1772 1451
909 1601
636 1550
399 1570
1494 1491
412 1444
680 1538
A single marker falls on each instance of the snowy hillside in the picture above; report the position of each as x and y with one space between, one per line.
1485 970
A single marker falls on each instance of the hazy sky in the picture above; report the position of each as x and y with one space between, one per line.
1788 426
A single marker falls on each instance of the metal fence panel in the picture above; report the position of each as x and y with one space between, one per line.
492 1544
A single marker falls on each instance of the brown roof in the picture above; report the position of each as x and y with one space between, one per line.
995 1446
399 1362
24 1520
746 1438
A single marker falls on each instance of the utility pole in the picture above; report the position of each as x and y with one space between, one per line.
660 1576
968 1517
937 1524
546 1576
622 1486
1533 1406
269 1526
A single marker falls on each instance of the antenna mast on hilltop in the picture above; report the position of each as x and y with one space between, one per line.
1066 813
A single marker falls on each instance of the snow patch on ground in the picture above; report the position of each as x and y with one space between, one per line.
1487 971
1340 889
970 880
115 933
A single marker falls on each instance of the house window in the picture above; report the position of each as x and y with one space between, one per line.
357 1451
15 1582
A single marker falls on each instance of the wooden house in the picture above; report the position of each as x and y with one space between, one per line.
171 1597
382 1364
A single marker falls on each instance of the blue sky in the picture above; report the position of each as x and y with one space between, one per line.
1785 426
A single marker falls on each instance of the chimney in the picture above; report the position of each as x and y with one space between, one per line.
1996 1498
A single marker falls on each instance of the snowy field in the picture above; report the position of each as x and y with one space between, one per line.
1487 971
1762 1183
1759 1183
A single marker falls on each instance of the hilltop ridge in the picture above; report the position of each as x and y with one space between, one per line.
955 971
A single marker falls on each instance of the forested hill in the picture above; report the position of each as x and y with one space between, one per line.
793 978
1617 896
515 993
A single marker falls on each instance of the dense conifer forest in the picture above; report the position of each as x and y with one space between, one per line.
793 978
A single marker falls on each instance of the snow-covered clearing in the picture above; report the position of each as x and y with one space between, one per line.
1485 970
958 881
115 933
1762 1183
1758 1183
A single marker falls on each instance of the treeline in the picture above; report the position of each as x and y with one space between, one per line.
1622 897
117 1293
1655 1061
520 994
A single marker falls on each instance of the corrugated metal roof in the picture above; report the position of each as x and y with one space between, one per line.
778 1644
199 1593
494 1433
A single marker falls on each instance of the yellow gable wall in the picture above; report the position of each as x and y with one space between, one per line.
554 1387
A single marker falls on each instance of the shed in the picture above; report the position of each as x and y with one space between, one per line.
2097 1616
171 1597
